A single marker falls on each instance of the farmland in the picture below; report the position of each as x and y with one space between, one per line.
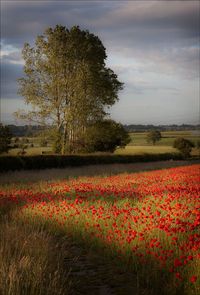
135 233
139 138
138 144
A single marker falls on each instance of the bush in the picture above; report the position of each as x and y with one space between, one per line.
105 136
57 161
184 146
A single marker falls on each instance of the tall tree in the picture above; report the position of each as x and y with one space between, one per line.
67 83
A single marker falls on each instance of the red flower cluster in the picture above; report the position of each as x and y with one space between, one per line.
150 214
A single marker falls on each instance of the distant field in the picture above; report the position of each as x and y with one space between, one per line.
168 137
138 144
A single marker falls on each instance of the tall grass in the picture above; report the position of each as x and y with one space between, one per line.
31 260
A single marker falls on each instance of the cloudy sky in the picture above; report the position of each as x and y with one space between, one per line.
153 47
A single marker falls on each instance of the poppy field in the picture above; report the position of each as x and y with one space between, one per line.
140 232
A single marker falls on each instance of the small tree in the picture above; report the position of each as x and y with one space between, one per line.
184 146
153 136
106 136
5 138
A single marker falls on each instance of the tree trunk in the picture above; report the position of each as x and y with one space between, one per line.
64 139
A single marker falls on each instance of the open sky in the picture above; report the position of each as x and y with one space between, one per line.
153 47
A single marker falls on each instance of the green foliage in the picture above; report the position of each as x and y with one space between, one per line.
67 83
5 138
184 146
106 136
153 136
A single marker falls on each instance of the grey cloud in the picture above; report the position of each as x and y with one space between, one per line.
14 57
161 35
145 22
31 18
182 61
143 87
161 15
9 75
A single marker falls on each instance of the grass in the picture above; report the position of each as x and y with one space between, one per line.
157 149
138 150
31 261
31 151
123 234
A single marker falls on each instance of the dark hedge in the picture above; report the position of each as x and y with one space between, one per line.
57 161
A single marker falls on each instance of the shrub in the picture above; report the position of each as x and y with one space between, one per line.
184 146
106 136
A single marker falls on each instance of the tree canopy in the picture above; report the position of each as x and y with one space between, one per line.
67 82
153 136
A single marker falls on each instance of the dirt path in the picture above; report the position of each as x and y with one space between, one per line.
93 170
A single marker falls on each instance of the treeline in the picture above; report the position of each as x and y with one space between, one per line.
33 130
146 128
25 130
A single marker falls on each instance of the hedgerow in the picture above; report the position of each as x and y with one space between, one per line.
8 163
